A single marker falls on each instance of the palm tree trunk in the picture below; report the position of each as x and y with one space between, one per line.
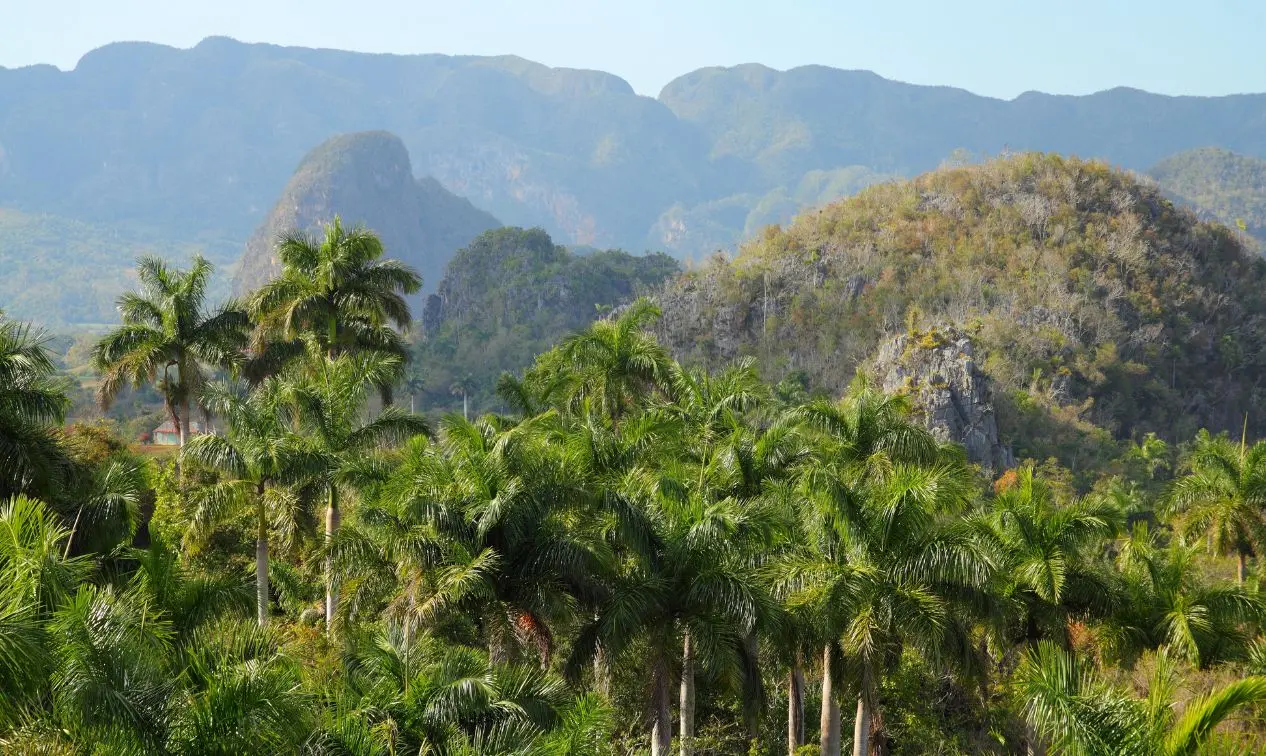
661 711
261 558
1241 566
861 728
184 426
795 708
829 743
465 413
687 697
331 527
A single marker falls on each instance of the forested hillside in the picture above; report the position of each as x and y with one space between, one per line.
1099 309
637 555
510 295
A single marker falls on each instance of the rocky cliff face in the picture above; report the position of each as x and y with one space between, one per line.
367 178
953 397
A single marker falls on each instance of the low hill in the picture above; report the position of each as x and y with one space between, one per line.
1096 308
366 178
511 294
65 273
1221 184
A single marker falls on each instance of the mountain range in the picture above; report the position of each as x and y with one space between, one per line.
143 146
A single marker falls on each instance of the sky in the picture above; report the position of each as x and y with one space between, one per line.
989 47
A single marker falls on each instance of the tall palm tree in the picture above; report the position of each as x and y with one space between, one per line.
31 405
336 291
1081 715
169 336
854 444
1223 497
258 453
338 445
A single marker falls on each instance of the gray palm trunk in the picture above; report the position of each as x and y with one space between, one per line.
331 589
1241 565
687 697
261 558
861 728
829 744
795 708
184 422
661 711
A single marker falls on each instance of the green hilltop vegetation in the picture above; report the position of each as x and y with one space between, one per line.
638 552
1226 186
510 295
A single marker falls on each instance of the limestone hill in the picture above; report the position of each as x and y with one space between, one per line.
367 178
1097 309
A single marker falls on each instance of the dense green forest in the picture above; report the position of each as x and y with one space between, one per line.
631 553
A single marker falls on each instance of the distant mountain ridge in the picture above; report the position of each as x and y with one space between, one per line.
1219 184
366 178
199 143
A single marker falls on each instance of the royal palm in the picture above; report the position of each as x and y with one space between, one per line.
169 337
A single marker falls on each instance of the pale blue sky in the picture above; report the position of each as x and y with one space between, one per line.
988 46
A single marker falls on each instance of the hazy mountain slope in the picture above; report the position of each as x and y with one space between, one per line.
789 122
1220 183
202 140
61 272
1098 308
366 178
206 137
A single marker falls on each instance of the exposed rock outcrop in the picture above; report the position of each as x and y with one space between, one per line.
953 397
367 178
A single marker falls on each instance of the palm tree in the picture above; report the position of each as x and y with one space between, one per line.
336 291
167 327
1047 568
1080 714
1169 604
407 693
615 364
414 384
1224 497
258 453
31 405
239 693
857 445
462 387
483 524
337 444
